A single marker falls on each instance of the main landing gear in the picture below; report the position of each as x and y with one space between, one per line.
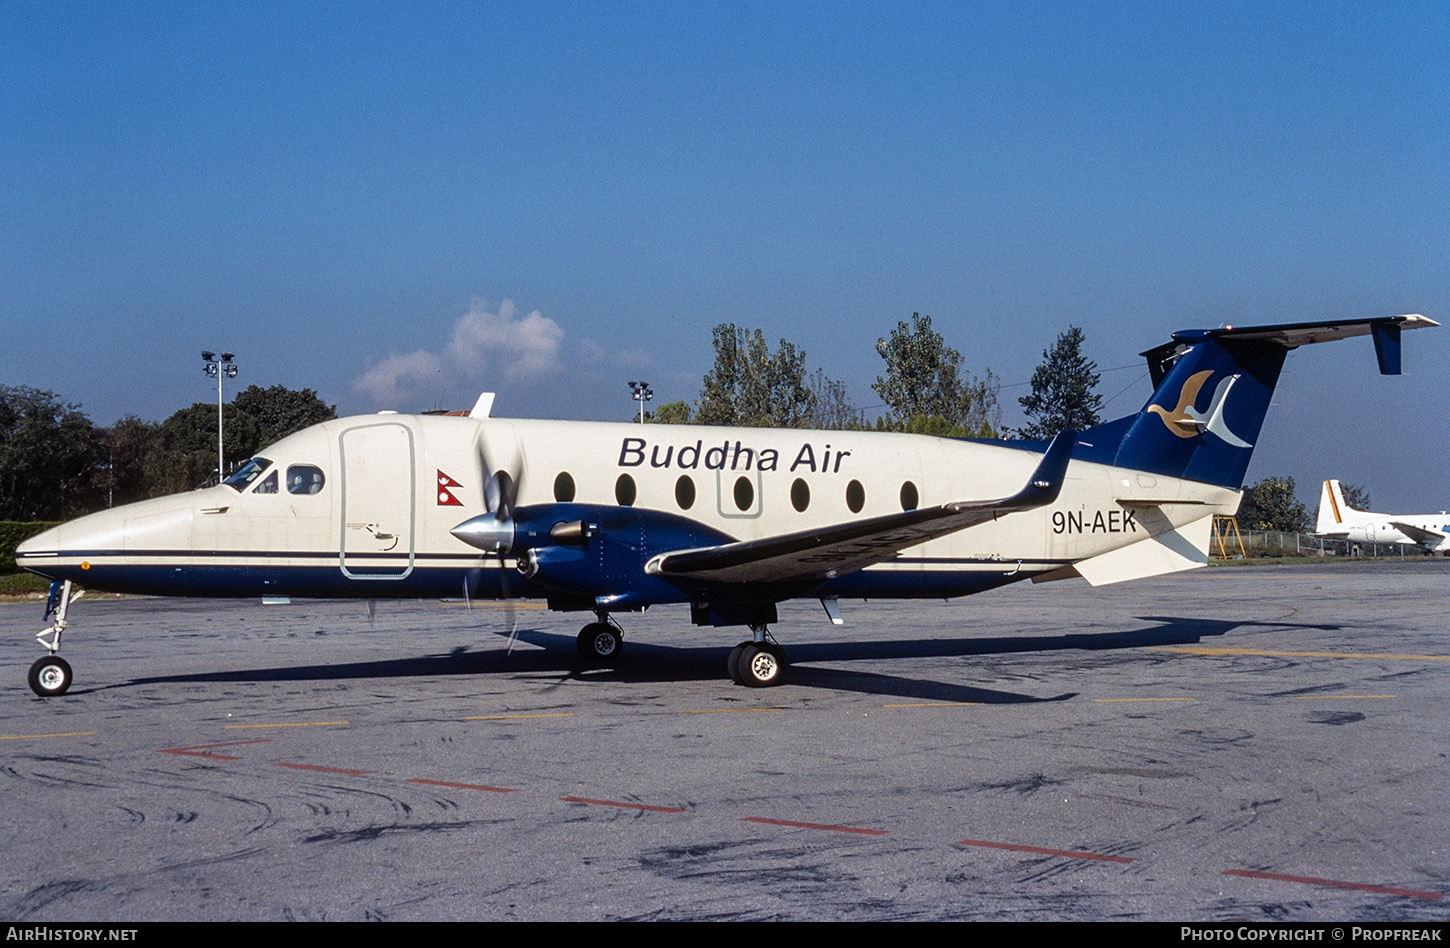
756 663
600 642
51 677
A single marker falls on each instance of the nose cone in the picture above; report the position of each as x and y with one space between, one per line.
79 550
50 553
27 550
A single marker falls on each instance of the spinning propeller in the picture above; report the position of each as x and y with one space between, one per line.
493 532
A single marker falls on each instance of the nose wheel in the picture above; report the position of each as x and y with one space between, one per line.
50 677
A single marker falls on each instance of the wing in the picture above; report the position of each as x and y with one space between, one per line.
833 551
1424 537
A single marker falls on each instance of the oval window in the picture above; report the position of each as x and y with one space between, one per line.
685 492
564 487
909 499
855 496
624 490
744 493
800 495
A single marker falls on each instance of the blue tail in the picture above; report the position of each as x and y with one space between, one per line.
1211 393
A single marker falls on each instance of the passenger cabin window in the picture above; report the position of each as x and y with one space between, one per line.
564 487
247 473
268 485
685 492
855 496
624 490
744 493
304 479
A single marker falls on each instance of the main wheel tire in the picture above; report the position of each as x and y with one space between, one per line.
599 642
761 666
732 663
50 676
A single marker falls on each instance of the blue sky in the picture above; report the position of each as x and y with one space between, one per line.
401 205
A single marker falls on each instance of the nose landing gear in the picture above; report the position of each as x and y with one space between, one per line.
51 676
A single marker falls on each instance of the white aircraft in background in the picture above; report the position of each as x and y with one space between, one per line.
1339 521
614 518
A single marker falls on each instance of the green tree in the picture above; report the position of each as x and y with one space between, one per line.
129 445
834 409
183 455
279 411
673 413
1271 505
49 457
927 389
1062 395
750 386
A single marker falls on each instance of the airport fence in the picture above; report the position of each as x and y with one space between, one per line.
1271 543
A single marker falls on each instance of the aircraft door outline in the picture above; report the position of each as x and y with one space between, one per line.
377 468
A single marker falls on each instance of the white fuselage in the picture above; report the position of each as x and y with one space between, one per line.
393 486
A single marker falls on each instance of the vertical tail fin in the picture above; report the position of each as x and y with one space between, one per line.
1331 508
1212 389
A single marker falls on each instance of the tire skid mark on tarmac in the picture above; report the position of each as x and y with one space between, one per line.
1072 857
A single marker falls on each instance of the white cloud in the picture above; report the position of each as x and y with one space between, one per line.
485 347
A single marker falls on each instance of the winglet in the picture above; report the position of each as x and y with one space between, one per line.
1045 483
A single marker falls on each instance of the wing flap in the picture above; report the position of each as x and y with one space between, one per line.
833 551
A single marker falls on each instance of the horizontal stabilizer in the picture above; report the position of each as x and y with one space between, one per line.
1169 552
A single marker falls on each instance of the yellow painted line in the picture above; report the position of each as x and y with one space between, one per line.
939 704
28 737
1253 651
246 727
507 717
1336 697
1120 700
728 710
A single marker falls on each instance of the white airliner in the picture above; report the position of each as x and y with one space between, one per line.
1339 521
614 518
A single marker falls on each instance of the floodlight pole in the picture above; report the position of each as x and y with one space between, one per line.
642 394
221 366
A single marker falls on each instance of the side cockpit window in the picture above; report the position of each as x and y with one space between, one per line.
304 479
247 473
268 485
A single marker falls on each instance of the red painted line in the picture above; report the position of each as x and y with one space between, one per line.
197 751
813 826
1069 853
459 786
628 806
1333 883
326 770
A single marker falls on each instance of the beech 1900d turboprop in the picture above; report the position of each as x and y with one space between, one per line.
1339 521
612 518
